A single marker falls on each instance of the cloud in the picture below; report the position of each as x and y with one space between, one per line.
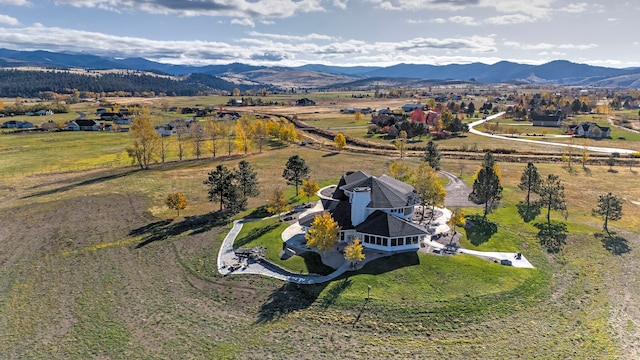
243 22
575 8
342 5
308 37
6 19
534 8
439 20
464 20
232 8
509 19
15 2
548 46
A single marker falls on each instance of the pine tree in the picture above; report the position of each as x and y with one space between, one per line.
221 185
247 179
432 155
551 193
295 171
487 188
609 208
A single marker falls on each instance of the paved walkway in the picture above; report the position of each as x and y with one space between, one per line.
590 148
457 192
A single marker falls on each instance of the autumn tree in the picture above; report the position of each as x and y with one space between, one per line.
197 135
609 208
215 130
176 201
259 133
400 170
401 143
354 252
432 155
182 130
323 233
340 141
145 142
487 187
243 136
277 202
456 219
309 188
428 186
295 171
247 179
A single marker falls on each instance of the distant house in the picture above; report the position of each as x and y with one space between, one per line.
407 108
547 118
234 102
122 121
351 110
83 125
44 112
16 124
166 130
101 111
305 102
124 112
111 116
589 130
378 210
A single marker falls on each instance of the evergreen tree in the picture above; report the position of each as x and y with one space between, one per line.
432 155
487 188
530 181
609 208
247 179
551 193
295 171
221 185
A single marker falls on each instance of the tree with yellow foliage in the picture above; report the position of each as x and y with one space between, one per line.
401 143
176 201
146 142
400 170
456 219
323 233
353 252
277 202
243 133
340 141
428 186
309 188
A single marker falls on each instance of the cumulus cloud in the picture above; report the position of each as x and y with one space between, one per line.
15 2
464 20
231 8
243 22
548 46
534 8
256 47
342 5
6 19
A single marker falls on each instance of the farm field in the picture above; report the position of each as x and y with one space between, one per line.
94 265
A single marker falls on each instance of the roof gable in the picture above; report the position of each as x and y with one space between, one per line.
382 224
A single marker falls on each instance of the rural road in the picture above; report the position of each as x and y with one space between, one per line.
590 148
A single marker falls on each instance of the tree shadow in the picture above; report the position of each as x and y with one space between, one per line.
253 235
334 153
287 299
162 230
528 213
553 236
387 264
479 229
586 170
616 245
259 213
613 171
337 288
89 181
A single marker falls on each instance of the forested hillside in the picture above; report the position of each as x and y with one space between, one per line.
14 83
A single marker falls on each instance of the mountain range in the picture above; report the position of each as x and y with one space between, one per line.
557 72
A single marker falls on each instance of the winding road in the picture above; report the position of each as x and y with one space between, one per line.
590 148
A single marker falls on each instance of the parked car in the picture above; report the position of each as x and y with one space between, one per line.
505 262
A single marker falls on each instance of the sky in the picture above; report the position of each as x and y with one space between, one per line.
329 32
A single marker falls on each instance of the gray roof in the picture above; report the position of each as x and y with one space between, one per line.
382 224
386 192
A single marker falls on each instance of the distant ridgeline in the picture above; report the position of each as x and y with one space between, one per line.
28 83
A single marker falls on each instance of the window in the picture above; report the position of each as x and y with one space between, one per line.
394 242
407 211
400 241
385 242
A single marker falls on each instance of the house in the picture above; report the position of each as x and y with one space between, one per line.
83 125
124 112
234 102
16 124
589 130
44 112
378 210
122 121
110 116
305 102
166 130
407 108
101 111
547 118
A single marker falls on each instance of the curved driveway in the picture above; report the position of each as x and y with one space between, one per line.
590 148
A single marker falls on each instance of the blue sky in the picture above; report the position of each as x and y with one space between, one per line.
331 32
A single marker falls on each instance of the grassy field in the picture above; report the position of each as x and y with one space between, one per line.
95 266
